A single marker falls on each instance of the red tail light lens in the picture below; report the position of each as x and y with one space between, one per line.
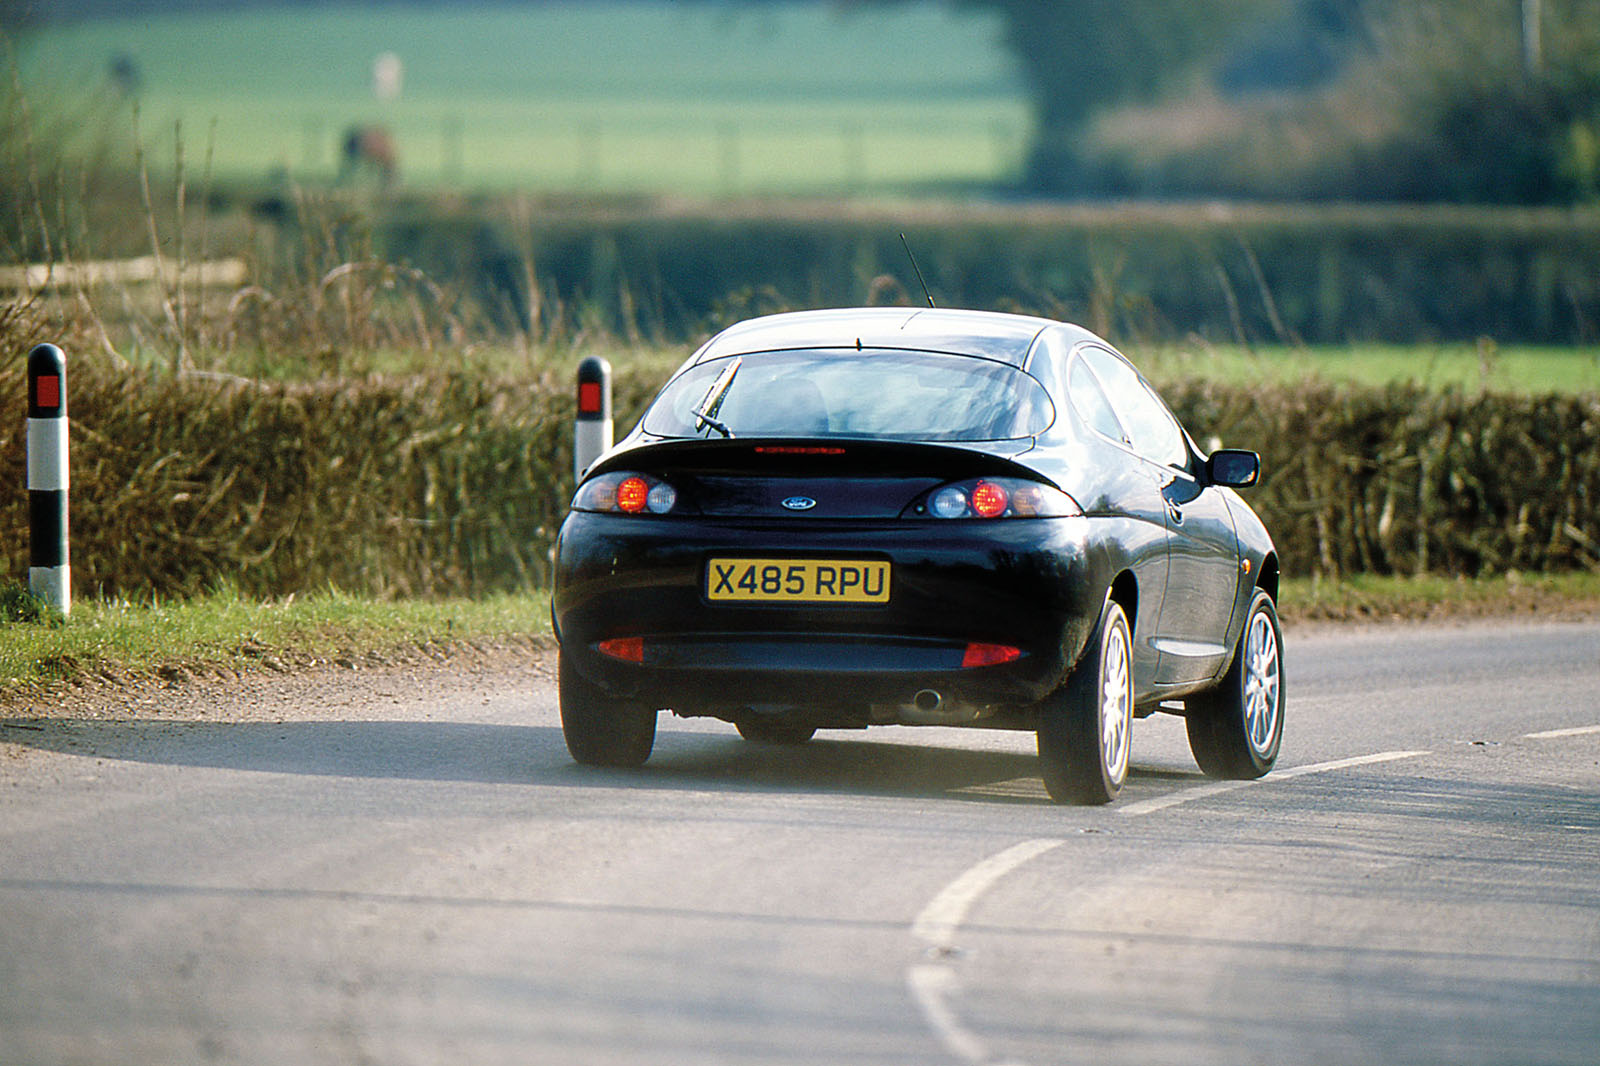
628 649
989 500
632 495
989 655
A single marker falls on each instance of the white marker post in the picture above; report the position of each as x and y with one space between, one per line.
593 430
49 575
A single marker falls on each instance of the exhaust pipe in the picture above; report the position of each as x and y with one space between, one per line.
929 707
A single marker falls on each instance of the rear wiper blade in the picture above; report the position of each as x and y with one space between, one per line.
706 414
702 420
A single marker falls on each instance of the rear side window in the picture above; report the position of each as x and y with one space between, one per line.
875 393
1155 433
1091 402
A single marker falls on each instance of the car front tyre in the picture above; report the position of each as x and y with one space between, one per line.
1085 727
1236 729
600 730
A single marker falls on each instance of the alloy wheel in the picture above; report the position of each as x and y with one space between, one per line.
1262 683
1116 706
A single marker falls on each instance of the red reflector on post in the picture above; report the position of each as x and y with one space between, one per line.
989 655
47 389
628 649
590 398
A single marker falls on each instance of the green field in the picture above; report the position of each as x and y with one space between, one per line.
665 97
1522 370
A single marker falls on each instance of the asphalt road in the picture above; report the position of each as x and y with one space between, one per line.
399 872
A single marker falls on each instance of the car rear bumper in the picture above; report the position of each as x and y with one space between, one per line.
1031 584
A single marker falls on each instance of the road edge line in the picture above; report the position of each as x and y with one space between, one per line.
1212 788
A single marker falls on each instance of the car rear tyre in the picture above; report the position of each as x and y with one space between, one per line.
766 729
1085 726
1235 729
600 730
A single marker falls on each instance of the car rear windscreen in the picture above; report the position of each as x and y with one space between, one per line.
872 393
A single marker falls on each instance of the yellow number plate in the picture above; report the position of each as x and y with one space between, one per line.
844 581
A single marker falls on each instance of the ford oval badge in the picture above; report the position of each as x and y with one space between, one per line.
799 503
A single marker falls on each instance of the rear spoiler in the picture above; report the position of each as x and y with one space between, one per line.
818 456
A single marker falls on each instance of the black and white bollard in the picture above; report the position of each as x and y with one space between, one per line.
593 431
49 576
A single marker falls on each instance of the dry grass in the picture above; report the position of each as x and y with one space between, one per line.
427 486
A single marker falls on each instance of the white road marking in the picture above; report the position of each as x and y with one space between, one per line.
936 924
928 986
1212 788
1552 734
1174 799
1341 764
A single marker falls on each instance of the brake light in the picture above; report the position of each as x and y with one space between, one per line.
989 655
633 494
989 500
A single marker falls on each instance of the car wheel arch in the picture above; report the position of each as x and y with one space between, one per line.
1125 591
1267 580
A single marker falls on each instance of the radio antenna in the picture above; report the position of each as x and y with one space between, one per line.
920 281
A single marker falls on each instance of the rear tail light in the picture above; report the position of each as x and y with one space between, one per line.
623 493
633 494
999 497
989 499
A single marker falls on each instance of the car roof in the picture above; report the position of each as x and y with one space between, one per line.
994 335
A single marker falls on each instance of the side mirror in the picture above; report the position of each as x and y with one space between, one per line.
1233 468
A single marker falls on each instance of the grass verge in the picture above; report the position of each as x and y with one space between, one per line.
223 634
1513 596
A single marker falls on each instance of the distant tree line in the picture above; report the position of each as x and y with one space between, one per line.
1460 100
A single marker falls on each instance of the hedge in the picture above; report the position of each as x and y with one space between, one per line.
451 484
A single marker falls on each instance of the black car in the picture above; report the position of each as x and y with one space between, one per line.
845 518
